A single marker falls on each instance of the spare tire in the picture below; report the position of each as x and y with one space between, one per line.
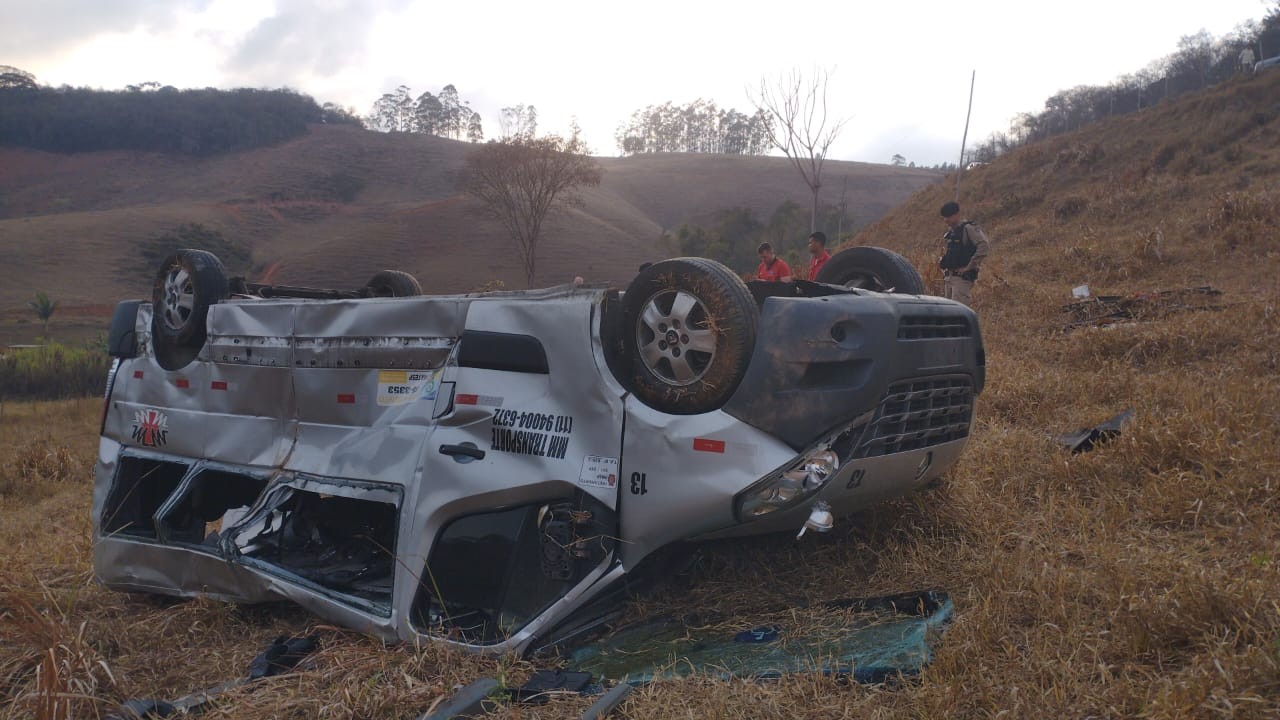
187 284
872 268
392 283
689 328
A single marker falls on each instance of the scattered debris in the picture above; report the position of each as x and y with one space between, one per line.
1106 310
1085 439
485 696
282 655
607 702
868 640
473 700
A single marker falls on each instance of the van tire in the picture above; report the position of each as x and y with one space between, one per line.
392 283
188 283
872 268
689 328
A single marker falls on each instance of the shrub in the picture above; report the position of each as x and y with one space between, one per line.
52 372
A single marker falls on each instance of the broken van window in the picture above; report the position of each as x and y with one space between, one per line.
489 574
207 505
140 487
341 538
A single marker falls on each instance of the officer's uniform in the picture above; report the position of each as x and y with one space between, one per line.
966 248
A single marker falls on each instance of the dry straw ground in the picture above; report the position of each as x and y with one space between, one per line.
1138 580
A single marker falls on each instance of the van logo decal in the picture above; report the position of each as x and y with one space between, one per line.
150 427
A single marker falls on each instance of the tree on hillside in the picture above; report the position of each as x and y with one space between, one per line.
1195 56
192 122
699 127
518 122
897 160
797 109
43 308
444 115
521 180
12 77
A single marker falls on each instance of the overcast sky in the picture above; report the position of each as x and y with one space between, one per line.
900 71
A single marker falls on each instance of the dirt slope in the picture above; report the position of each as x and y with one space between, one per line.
69 223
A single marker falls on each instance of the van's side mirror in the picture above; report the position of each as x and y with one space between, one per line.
122 338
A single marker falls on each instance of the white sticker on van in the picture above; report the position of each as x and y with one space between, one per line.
599 471
397 387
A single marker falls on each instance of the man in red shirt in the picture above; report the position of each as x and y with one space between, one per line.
772 267
818 249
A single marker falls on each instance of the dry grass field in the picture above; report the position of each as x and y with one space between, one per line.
1141 579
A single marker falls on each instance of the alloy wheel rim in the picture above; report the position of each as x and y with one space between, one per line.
179 298
675 338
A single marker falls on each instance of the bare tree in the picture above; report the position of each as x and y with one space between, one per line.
798 125
518 122
522 179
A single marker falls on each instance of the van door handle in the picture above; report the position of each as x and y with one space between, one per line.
464 453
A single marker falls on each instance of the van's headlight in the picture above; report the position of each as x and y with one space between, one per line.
784 489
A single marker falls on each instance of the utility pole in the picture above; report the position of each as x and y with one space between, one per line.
965 137
844 208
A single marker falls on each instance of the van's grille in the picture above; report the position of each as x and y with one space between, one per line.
918 414
928 327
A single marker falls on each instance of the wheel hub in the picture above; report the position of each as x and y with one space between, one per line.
179 298
674 337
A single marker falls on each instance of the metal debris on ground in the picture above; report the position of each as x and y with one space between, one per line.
1084 439
1104 310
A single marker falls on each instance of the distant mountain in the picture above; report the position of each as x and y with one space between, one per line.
338 204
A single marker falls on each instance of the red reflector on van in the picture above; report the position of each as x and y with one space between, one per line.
182 383
346 399
218 385
708 445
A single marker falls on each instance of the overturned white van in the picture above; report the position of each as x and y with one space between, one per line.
487 469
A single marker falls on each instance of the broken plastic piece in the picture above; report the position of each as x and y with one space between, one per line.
143 710
283 654
820 519
762 634
607 702
471 701
1085 439
542 683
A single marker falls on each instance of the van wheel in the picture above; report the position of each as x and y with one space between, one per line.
392 283
872 268
689 327
188 283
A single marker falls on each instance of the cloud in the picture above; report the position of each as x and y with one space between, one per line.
34 29
306 39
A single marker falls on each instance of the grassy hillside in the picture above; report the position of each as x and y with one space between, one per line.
335 206
1136 580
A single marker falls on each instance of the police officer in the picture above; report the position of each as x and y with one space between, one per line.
965 246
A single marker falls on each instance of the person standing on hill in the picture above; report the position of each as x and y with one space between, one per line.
1246 60
964 248
818 249
772 268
